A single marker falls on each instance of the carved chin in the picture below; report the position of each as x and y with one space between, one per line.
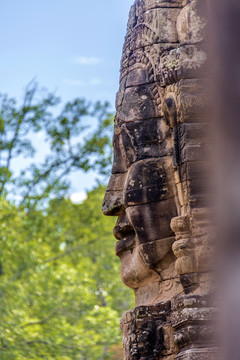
134 272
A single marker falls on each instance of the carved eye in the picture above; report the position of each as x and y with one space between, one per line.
120 161
128 144
170 111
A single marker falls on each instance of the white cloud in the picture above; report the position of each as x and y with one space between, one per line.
79 197
80 83
85 60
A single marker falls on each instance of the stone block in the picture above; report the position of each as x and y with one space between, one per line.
152 221
149 335
148 181
184 62
139 103
144 5
152 27
191 22
146 139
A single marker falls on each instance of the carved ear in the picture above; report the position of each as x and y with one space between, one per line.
170 110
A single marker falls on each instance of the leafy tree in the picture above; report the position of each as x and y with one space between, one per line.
60 290
73 143
61 296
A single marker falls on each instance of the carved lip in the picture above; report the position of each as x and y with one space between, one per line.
125 234
125 244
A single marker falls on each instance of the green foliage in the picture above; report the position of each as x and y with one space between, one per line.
73 143
61 296
60 289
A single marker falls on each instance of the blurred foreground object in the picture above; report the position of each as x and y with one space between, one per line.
159 188
225 17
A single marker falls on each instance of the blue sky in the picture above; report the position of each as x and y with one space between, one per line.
73 47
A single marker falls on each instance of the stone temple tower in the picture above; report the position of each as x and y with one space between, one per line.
158 189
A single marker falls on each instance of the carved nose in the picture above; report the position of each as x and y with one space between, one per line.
113 204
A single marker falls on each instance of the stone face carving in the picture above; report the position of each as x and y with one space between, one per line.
157 188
